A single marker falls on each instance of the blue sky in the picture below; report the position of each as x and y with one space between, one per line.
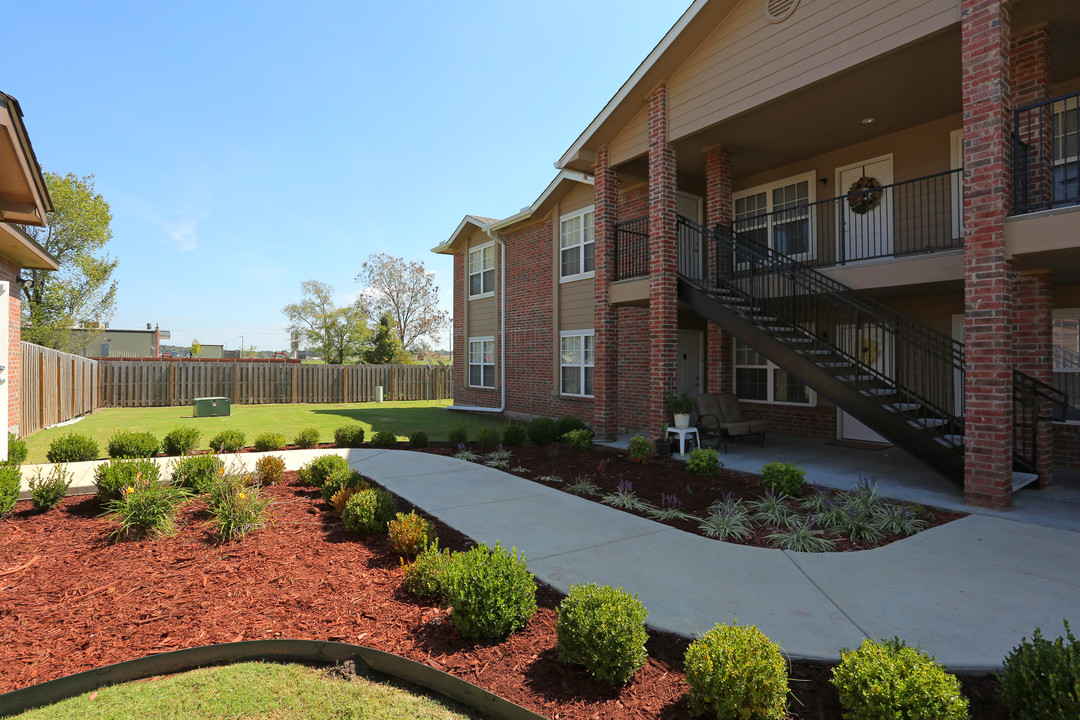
246 147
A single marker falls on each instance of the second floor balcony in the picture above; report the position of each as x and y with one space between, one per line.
1046 171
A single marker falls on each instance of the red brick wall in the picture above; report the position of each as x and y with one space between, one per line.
8 272
1067 446
634 203
807 422
634 371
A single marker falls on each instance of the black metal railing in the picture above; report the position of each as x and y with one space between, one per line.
1046 171
1035 405
632 248
922 366
905 218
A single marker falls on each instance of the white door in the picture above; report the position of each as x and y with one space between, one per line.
867 219
689 207
956 184
689 366
875 346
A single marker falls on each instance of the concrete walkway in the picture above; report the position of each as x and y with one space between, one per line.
966 592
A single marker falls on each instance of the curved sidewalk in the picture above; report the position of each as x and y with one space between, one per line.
966 592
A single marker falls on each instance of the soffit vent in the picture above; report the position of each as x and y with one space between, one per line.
779 10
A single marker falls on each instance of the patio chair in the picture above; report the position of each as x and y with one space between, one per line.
720 417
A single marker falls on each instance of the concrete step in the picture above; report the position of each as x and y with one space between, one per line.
1020 479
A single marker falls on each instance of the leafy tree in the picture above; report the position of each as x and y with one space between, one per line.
385 346
408 292
336 332
82 292
196 348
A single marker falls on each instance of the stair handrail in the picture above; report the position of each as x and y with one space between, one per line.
1029 392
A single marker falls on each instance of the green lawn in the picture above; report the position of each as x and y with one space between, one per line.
252 690
402 418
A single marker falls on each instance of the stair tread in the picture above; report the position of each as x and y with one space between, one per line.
927 422
903 406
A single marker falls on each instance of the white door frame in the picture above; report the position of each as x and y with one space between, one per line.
846 212
849 427
690 259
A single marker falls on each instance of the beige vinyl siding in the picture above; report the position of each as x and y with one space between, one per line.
580 197
482 319
747 61
633 140
576 305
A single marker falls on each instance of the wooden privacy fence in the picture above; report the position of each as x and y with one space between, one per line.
156 383
55 386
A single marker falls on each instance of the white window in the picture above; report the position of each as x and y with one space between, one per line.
576 245
482 271
759 380
576 363
482 362
779 216
1066 138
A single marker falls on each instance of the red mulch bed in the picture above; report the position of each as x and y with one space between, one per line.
72 601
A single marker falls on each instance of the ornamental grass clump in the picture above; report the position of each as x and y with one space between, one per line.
48 491
113 477
542 431
72 448
145 509
131 444
10 482
236 508
890 681
580 440
670 509
349 436
640 449
464 453
422 576
409 535
582 486
181 440
704 462
488 438
602 628
492 592
625 498
369 511
269 469
1040 678
227 441
196 472
306 438
898 519
736 673
318 470
785 478
499 458
270 441
802 535
728 518
771 508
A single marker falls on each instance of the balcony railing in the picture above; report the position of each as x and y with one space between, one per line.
1046 173
632 248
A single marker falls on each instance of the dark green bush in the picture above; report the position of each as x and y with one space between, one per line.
349 436
369 511
580 440
736 673
569 423
307 438
891 681
492 592
196 472
113 477
132 444
227 441
384 439
602 628
318 470
488 438
343 477
787 478
514 435
422 577
181 440
542 431
418 440
72 448
640 449
459 434
17 450
270 441
10 482
1040 678
48 491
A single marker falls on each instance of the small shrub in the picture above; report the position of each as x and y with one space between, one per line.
602 628
488 438
422 576
514 435
418 440
195 472
113 477
384 439
341 498
891 681
640 449
237 509
131 444
181 440
1040 678
580 440
322 467
47 492
369 511
269 469
736 673
349 436
409 534
569 423
270 441
459 434
17 450
340 478
787 478
704 462
542 431
72 448
227 441
145 510
492 591
307 438
10 483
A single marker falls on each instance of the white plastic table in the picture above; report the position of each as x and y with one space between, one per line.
682 434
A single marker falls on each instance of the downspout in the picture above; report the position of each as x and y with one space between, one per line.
502 334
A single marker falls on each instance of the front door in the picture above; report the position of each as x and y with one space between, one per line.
866 214
690 363
875 347
689 248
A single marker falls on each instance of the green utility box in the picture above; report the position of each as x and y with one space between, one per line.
211 407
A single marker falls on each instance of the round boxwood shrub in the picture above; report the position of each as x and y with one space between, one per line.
514 435
112 477
369 511
132 444
181 440
384 439
72 448
270 441
340 478
459 434
787 478
602 628
1040 678
889 680
17 450
418 440
569 423
488 437
736 673
542 431
704 462
349 436
227 441
318 470
307 438
580 440
196 472
492 592
423 576
10 480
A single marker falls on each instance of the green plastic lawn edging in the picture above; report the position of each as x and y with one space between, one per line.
310 652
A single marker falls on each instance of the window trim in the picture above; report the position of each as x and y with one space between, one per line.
810 178
770 367
469 363
581 275
584 364
469 273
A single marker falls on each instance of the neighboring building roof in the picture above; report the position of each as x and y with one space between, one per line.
452 244
23 250
24 198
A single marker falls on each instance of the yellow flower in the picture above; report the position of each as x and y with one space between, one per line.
241 496
128 490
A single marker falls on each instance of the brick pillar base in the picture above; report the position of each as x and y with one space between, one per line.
718 205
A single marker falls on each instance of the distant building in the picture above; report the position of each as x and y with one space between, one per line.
211 352
108 342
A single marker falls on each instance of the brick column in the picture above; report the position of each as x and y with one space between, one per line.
718 204
605 317
1030 69
1033 353
663 262
987 272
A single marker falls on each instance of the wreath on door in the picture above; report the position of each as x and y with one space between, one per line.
867 351
864 195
